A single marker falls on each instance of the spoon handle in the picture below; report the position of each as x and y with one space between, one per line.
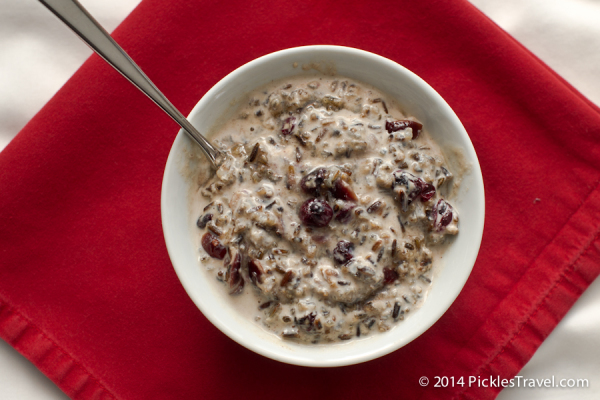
89 30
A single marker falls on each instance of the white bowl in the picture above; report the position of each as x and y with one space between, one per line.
418 99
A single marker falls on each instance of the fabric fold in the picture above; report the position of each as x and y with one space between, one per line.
49 357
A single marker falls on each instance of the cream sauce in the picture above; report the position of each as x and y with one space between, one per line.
327 217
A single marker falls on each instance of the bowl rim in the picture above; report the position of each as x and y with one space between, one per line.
475 171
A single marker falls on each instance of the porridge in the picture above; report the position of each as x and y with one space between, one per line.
329 212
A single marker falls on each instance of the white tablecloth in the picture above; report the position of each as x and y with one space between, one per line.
38 55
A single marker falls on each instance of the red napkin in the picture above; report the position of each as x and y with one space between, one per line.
87 291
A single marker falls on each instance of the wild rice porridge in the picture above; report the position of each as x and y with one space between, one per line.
328 212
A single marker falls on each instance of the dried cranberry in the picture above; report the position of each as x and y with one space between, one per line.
234 275
389 275
316 213
441 214
343 251
427 190
414 187
312 182
341 190
212 245
288 125
394 126
345 213
255 270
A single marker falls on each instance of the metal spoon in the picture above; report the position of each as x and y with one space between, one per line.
89 30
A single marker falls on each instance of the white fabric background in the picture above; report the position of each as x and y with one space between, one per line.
38 55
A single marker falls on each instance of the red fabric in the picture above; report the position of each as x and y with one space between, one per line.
87 291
